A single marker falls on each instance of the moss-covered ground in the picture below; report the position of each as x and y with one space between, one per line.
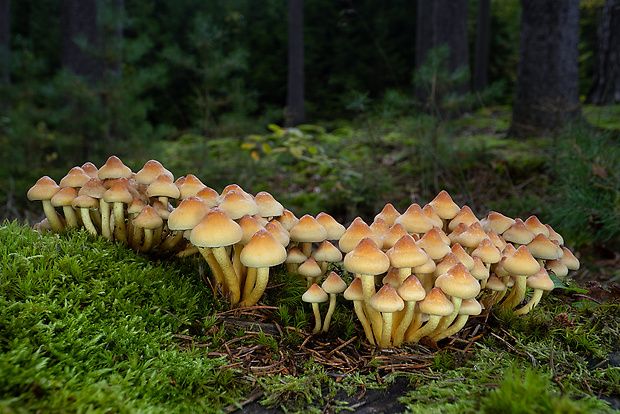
89 326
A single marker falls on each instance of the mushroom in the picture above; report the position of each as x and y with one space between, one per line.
44 189
540 282
458 284
445 207
366 260
332 285
94 188
268 206
311 270
355 293
63 199
326 253
334 229
186 216
76 178
379 227
414 220
389 214
262 252
520 264
307 231
433 244
469 307
148 219
163 188
315 295
435 305
214 232
190 186
294 258
412 291
465 216
497 222
386 301
393 235
86 203
118 195
357 230
404 255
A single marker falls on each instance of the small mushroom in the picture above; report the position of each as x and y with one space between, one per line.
315 295
332 285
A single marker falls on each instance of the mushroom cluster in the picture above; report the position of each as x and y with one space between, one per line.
415 274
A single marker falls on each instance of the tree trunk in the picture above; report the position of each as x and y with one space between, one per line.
547 93
481 53
605 87
295 105
5 41
79 22
442 22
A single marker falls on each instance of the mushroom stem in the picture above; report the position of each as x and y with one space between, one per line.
216 270
458 324
172 240
517 293
330 311
52 216
262 278
446 321
431 324
317 318
230 277
359 311
386 330
250 281
399 334
188 251
88 223
70 216
104 207
148 240
368 287
119 222
536 296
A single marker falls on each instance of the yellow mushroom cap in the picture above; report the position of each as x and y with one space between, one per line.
114 168
334 283
268 206
432 215
393 235
90 169
216 229
366 259
389 214
85 201
487 252
295 255
118 193
355 291
64 197
569 259
543 248
458 282
310 268
263 251
189 186
208 195
93 188
518 233
411 289
334 229
436 303
521 262
44 189
465 216
187 214
76 177
406 253
148 219
414 220
249 227
150 171
288 220
327 252
163 186
540 280
308 229
277 231
470 307
433 244
315 294
444 206
357 230
387 300
534 225
473 236
379 227
497 222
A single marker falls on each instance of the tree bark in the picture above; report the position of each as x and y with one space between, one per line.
547 93
481 53
295 105
605 87
5 40
442 22
79 22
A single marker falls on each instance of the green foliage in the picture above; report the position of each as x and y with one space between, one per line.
588 169
528 391
89 325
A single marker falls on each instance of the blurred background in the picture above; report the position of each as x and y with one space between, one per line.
330 105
